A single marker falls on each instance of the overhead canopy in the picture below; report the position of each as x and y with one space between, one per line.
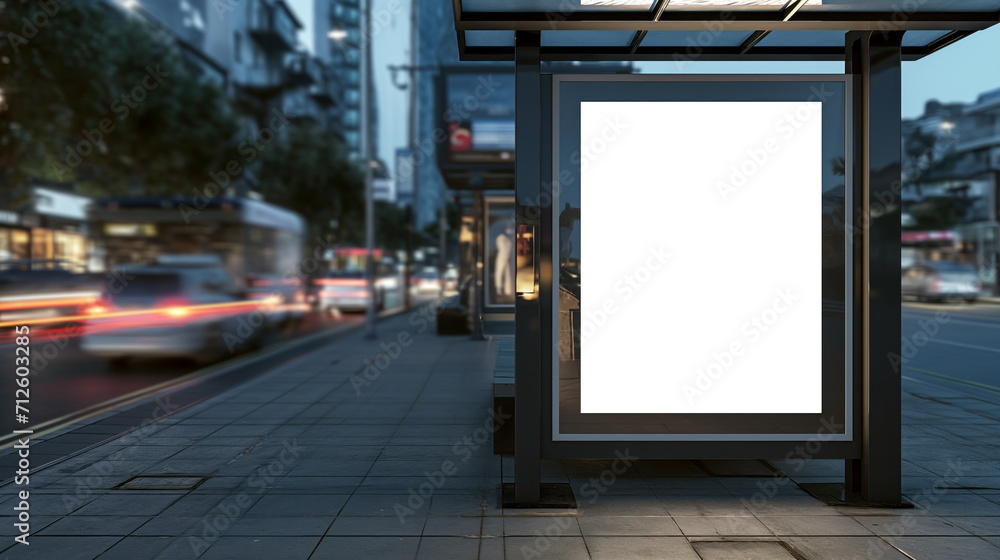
711 29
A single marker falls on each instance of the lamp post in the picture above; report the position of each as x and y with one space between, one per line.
366 150
366 155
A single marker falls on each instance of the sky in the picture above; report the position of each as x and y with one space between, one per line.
391 36
957 73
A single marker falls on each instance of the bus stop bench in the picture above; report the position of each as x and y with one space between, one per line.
503 395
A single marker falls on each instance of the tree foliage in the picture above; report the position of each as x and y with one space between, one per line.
308 172
104 101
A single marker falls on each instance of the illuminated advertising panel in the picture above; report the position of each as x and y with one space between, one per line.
479 117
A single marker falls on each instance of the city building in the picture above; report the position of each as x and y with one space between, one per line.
51 223
952 183
252 50
337 41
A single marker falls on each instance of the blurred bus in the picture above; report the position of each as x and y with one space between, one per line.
258 244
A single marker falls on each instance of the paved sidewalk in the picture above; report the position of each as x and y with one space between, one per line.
333 456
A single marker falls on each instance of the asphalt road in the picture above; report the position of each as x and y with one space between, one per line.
952 345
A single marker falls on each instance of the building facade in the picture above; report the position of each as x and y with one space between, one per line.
953 183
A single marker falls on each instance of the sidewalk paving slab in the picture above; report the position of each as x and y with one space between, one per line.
329 457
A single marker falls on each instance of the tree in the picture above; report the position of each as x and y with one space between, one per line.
307 171
104 101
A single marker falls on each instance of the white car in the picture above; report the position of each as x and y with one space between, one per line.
347 290
195 312
941 280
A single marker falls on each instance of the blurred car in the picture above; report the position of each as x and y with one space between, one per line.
34 290
427 282
197 312
345 290
450 280
941 280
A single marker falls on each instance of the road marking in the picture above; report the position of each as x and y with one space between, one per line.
963 345
953 379
984 324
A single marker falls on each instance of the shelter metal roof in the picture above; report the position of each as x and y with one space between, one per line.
711 29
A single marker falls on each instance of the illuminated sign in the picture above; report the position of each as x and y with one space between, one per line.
479 117
129 230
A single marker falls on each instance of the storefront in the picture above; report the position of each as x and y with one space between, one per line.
52 228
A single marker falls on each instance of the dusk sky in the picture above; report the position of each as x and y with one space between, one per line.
959 72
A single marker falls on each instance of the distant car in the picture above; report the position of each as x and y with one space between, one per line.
427 282
196 312
451 280
345 290
941 280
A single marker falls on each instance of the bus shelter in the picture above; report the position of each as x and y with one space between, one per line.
708 265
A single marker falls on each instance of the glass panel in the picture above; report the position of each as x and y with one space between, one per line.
714 258
490 38
922 38
704 38
729 5
803 39
896 5
571 38
554 6
500 252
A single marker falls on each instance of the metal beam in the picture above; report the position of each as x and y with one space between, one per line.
874 61
656 12
787 12
727 21
527 310
835 54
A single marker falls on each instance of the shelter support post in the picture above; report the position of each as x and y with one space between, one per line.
527 310
874 62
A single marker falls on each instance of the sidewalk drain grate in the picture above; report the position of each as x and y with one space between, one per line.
162 482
